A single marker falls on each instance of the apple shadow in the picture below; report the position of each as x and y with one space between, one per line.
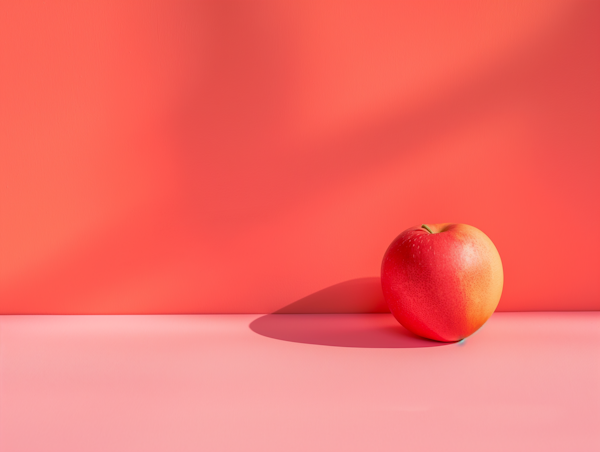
349 314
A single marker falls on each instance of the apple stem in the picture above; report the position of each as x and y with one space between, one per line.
425 226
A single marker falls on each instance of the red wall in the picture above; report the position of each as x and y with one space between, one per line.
237 156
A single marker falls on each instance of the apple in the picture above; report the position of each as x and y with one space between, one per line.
442 281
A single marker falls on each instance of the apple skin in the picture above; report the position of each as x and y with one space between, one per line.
443 285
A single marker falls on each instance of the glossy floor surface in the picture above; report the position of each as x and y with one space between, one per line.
297 382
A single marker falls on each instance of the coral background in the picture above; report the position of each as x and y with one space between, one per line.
249 157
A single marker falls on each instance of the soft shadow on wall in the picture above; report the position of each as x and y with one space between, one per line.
167 157
357 317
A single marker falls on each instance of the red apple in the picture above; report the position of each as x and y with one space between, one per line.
442 281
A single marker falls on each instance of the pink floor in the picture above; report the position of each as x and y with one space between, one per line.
354 382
